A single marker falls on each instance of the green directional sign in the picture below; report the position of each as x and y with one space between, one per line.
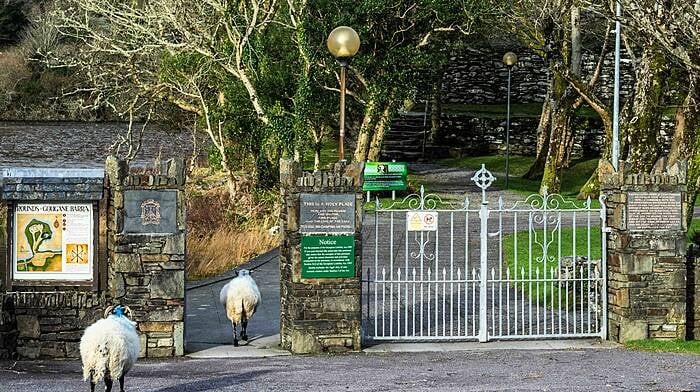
327 256
385 176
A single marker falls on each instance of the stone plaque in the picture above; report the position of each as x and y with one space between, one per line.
150 212
654 211
327 256
327 213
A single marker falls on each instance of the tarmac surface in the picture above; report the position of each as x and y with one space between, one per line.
493 370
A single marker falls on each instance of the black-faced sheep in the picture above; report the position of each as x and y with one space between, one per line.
109 348
241 298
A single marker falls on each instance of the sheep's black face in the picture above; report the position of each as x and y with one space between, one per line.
243 272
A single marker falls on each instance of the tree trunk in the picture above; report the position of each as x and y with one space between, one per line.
685 144
645 124
556 154
363 137
560 133
382 125
537 168
317 156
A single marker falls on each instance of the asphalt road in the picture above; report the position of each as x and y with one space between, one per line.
581 370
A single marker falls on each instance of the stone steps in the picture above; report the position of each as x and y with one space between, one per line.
404 141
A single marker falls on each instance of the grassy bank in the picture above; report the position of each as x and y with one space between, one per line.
222 234
673 346
525 265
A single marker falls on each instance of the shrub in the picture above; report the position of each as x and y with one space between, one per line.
14 71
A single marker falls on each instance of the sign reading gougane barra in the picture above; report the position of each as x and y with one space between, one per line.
53 241
654 211
326 213
327 256
385 176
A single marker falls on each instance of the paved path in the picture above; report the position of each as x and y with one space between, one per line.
206 325
505 370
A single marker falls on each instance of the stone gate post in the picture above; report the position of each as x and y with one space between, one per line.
646 215
320 258
146 245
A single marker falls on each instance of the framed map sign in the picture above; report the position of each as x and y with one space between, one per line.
53 241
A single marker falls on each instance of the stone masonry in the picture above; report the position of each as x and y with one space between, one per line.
646 268
693 294
147 271
8 327
317 315
46 319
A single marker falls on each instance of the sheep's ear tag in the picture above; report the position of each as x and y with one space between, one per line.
118 311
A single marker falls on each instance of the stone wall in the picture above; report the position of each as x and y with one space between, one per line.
8 327
478 76
693 293
317 315
50 324
646 268
487 135
147 271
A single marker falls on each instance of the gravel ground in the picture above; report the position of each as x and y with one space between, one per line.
583 370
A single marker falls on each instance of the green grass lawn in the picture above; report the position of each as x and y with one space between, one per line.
573 178
674 346
329 155
522 266
517 110
693 229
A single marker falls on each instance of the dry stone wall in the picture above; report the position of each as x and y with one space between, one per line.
478 76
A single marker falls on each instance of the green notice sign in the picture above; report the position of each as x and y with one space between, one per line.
385 176
327 256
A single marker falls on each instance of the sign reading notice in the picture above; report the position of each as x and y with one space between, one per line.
385 176
327 213
422 220
53 242
327 256
654 211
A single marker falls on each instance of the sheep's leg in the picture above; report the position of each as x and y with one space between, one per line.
108 385
92 386
235 335
244 330
121 383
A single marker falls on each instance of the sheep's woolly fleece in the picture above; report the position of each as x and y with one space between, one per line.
241 292
111 344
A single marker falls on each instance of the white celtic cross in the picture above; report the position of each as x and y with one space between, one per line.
483 179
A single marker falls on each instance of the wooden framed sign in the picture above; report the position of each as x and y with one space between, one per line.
53 241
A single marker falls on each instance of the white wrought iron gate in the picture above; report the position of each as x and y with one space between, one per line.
525 269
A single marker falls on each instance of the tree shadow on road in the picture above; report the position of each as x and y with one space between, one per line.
214 383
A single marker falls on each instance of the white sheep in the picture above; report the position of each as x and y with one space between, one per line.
241 298
109 348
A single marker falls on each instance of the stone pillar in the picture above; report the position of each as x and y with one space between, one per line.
146 245
320 314
646 252
693 293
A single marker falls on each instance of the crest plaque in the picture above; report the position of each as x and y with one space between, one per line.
150 211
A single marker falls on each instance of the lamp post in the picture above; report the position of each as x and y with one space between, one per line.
509 59
343 43
616 99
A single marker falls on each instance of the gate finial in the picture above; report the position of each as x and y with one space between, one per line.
483 179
